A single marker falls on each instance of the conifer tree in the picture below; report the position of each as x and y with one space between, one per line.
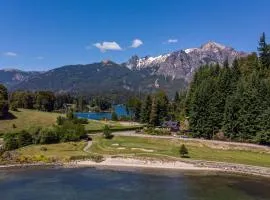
146 109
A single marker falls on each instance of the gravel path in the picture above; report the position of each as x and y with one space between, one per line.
89 144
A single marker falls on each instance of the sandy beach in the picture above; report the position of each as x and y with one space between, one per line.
136 163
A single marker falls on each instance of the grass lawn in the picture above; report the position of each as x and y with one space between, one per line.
61 151
25 119
95 125
154 147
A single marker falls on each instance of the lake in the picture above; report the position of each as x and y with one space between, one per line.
120 110
93 184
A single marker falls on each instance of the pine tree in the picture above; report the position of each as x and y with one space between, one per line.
154 118
264 52
146 109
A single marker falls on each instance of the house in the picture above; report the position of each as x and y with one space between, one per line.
174 126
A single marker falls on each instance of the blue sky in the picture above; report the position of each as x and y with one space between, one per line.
45 34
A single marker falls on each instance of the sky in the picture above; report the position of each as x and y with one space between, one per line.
45 34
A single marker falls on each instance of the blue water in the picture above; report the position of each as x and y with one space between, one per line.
120 110
92 184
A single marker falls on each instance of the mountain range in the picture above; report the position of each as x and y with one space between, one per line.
169 72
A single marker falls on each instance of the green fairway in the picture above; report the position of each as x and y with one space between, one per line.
169 148
94 125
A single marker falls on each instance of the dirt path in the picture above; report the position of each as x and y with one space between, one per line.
89 144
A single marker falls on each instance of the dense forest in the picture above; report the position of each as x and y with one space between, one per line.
232 102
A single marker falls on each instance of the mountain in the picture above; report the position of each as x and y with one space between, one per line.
169 72
182 64
11 77
105 76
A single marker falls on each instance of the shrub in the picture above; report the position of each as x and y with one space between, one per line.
43 148
48 136
80 121
263 137
10 141
114 116
13 107
107 133
60 120
183 151
70 131
24 138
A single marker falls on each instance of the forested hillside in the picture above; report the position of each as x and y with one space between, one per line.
232 102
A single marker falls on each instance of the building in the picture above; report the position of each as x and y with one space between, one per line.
174 126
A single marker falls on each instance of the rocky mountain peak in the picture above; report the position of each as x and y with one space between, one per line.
212 46
182 64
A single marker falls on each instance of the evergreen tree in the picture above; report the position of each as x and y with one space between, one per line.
264 52
146 109
154 118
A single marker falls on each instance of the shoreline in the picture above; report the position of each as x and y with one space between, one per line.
124 164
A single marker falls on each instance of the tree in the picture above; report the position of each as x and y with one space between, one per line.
107 133
114 116
45 101
264 52
3 101
146 109
154 118
134 105
183 151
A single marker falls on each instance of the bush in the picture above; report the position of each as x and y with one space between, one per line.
24 138
263 137
107 133
11 142
70 131
13 107
80 121
183 151
48 136
60 120
114 116
43 149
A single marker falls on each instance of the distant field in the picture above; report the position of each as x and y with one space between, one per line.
169 148
27 118
24 119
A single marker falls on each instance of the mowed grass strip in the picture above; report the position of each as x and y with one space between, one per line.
156 147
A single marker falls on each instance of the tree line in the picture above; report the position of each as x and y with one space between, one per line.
232 102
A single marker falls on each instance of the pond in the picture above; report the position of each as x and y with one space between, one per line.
120 110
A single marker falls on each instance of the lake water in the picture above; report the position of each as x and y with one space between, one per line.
93 184
120 110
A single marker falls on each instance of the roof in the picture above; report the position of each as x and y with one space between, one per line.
171 124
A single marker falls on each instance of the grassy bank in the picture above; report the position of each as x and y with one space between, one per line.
24 119
164 148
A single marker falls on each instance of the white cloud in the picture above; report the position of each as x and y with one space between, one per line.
39 57
11 54
136 43
169 41
105 46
